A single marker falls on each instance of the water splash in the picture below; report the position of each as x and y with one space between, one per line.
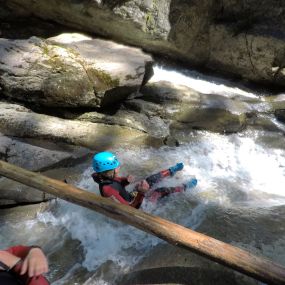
230 169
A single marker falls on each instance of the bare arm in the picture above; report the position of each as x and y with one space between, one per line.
8 259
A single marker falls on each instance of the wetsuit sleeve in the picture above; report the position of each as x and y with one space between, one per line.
19 250
123 180
136 203
110 192
22 251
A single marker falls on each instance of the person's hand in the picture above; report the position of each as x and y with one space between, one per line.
35 263
143 186
130 178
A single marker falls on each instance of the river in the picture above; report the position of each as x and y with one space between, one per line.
239 199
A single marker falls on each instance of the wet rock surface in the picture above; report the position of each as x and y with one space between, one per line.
34 155
242 39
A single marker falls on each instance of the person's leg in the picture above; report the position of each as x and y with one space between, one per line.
178 167
165 191
155 178
161 192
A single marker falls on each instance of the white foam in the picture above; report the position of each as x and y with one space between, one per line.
221 164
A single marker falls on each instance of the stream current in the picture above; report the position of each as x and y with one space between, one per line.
239 199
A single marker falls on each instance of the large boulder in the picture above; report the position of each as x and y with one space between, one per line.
241 38
71 70
154 125
19 121
186 109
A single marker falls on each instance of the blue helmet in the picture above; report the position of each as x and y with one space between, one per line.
104 161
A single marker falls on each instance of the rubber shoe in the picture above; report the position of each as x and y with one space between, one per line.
178 167
191 183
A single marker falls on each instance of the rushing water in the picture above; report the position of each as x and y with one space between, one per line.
241 187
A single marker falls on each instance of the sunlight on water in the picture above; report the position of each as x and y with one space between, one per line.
265 167
201 83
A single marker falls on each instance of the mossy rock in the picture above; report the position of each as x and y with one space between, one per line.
102 80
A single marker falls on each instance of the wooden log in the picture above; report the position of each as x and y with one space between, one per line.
259 268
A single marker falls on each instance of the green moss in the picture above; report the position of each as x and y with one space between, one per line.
45 50
53 59
150 18
57 64
102 79
149 21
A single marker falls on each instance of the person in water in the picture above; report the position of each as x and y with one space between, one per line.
111 185
23 265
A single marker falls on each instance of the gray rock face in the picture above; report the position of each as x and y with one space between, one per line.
21 122
153 125
22 152
280 115
242 38
187 110
70 70
33 155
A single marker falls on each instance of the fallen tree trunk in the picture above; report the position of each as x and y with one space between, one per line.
228 255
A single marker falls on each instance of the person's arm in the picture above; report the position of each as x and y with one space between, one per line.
19 250
112 193
136 203
33 259
141 188
9 260
35 263
125 181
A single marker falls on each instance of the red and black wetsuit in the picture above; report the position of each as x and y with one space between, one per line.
13 276
115 188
